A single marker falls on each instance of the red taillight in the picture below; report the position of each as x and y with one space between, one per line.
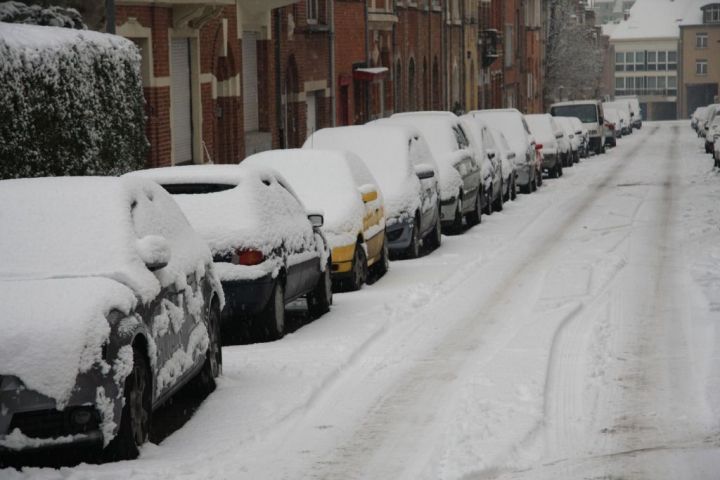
247 257
538 146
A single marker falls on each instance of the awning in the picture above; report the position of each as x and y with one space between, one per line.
370 74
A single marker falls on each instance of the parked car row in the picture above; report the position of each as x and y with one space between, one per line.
706 122
143 278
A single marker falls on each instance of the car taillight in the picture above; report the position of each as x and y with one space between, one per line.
247 257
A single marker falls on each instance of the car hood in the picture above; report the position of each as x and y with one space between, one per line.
54 329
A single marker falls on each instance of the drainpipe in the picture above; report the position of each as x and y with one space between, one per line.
443 55
368 85
278 91
110 16
331 69
393 62
463 56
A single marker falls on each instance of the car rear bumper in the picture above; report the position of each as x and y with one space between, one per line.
524 174
246 297
448 207
549 160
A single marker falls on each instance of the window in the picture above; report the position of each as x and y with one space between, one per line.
640 61
701 40
630 61
620 83
701 67
711 14
312 11
508 45
672 61
662 57
460 138
672 85
619 62
652 61
661 83
651 83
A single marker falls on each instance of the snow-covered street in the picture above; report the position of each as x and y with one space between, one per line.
572 335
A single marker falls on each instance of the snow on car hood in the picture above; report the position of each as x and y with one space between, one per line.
54 329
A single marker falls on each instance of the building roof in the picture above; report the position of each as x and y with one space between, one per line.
694 15
654 19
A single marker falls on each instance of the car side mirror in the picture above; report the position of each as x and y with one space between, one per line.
558 135
316 219
579 132
511 156
491 154
154 251
424 171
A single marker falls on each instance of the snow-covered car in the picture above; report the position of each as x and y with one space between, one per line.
570 133
401 162
268 250
612 126
507 159
695 118
706 121
109 303
513 125
713 133
349 197
624 112
584 138
547 134
590 113
482 141
467 178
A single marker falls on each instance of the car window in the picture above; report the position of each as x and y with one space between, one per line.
488 140
196 188
460 137
525 126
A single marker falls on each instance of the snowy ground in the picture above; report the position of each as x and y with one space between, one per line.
571 336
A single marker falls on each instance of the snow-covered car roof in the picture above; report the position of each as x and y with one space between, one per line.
325 180
389 155
508 121
541 126
440 131
255 208
571 102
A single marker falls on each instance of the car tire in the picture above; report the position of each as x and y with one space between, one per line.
413 250
435 236
136 414
560 171
457 224
475 216
381 267
498 202
488 202
513 188
320 299
538 179
273 315
359 271
204 383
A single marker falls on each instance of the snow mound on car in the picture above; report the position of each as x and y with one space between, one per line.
325 181
385 152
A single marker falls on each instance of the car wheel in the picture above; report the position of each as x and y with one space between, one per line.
498 203
382 266
538 179
273 316
513 189
457 221
435 237
359 272
488 202
475 216
320 299
204 383
413 250
136 413
560 171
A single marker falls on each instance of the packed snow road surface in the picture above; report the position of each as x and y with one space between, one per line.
571 336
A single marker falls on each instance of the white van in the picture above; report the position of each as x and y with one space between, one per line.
635 112
590 113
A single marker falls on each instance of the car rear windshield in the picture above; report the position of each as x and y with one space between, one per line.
194 188
586 113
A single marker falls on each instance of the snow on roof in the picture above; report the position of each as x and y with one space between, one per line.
653 19
386 152
35 37
327 181
694 14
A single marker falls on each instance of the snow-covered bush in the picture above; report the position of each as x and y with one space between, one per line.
71 103
54 16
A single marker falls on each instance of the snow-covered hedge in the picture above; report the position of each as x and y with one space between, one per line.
17 12
71 103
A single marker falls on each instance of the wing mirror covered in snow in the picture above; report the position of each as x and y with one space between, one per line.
369 192
316 219
424 171
154 251
491 154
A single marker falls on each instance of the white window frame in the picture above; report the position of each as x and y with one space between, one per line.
701 40
701 67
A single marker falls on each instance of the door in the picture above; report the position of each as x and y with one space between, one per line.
311 103
181 101
250 81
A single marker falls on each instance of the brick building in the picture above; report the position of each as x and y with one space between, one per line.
226 78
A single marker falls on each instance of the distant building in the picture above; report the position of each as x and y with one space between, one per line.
610 11
646 56
699 57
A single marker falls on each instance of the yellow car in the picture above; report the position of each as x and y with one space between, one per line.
338 185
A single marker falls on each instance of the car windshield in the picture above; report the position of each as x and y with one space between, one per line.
586 113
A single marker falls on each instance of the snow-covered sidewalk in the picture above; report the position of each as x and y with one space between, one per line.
571 335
